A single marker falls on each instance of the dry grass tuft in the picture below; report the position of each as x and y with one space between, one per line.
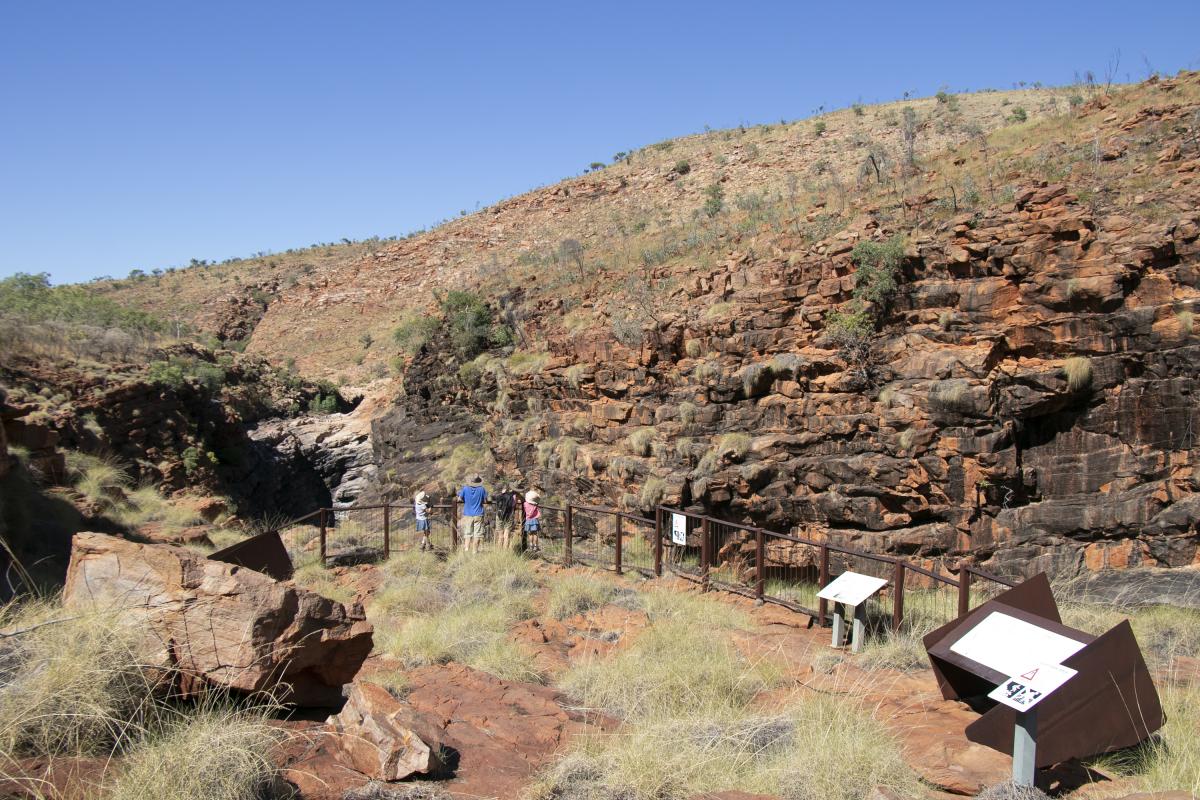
1078 371
692 724
429 613
75 683
210 756
638 442
102 481
576 593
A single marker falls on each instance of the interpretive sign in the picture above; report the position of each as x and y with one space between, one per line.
851 588
1007 644
1025 689
1051 692
678 529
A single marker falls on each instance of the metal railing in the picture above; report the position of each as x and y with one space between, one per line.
783 569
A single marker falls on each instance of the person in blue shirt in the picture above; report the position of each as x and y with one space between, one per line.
470 525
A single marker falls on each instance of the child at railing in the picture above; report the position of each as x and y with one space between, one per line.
533 519
421 514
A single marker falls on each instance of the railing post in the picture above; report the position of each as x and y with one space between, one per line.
454 524
964 589
323 535
760 563
387 531
570 538
822 579
705 552
658 542
620 536
898 595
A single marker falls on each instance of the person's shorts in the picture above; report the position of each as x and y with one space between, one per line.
422 526
533 525
471 527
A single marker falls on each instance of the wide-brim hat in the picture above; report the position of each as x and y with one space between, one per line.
476 480
532 496
421 496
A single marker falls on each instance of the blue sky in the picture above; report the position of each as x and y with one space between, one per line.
141 135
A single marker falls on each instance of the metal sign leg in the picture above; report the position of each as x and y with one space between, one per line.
1024 747
860 628
839 626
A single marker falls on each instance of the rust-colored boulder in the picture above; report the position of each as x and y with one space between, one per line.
221 624
375 735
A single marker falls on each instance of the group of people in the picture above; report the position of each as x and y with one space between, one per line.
470 525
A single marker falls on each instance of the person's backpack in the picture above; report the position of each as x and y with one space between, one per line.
506 504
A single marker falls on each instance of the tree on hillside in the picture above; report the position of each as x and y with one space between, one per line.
572 250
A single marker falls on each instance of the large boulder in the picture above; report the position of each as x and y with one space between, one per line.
221 624
376 736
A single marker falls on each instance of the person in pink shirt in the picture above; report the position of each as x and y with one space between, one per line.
533 519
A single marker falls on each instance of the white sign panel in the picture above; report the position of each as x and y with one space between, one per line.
1009 645
1030 686
678 529
851 588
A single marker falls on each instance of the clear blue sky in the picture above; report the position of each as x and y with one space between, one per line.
146 134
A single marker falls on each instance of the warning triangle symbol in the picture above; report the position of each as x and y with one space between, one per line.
1030 675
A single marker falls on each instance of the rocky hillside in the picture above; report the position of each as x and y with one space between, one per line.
956 325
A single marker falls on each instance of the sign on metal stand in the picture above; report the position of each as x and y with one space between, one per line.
1023 692
1048 692
851 589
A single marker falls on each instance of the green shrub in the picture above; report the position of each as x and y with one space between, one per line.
194 459
323 404
471 325
878 270
32 298
414 331
682 167
1018 115
178 371
714 199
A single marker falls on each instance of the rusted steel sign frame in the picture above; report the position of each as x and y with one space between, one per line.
264 553
1111 704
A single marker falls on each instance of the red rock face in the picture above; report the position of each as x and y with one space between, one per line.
969 431
221 624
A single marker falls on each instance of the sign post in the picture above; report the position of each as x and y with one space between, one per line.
1023 692
850 589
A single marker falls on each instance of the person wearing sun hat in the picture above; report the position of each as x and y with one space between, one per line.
421 515
473 496
533 519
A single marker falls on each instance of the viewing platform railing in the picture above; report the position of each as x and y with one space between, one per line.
782 569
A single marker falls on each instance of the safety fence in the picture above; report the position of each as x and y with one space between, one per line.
786 570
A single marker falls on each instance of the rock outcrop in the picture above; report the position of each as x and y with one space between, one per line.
375 734
220 624
335 447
